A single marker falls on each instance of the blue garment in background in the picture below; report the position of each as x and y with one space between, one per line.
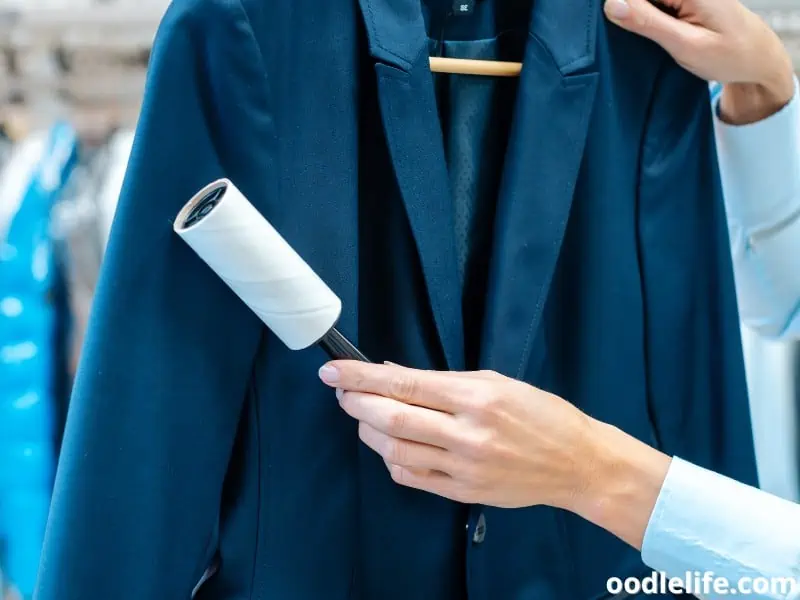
28 354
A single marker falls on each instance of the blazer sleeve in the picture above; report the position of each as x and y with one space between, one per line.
167 361
695 371
704 522
760 166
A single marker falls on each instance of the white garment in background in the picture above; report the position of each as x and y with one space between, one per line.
773 386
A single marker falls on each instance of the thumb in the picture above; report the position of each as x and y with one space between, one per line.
643 18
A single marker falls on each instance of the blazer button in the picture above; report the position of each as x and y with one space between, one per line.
480 530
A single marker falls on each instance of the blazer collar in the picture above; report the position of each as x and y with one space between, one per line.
545 151
543 162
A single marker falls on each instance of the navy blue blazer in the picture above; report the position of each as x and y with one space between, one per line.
194 437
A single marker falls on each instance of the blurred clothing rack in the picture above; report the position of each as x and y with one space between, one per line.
85 60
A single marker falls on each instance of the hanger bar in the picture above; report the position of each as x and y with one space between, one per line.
463 66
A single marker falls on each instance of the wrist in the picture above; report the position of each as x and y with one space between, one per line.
744 103
622 484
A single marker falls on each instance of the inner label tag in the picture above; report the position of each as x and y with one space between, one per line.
463 7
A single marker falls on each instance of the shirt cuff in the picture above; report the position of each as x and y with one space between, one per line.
703 521
760 167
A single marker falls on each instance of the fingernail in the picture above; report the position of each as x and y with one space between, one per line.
329 374
339 394
618 9
390 363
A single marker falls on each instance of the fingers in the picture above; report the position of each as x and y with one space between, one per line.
429 481
431 389
645 19
402 453
402 421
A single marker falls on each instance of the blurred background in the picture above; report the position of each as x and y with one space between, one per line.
71 81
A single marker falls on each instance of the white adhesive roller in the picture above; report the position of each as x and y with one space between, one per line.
246 251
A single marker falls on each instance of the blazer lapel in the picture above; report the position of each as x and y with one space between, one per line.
551 122
399 44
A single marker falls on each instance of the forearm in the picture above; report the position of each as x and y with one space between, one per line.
746 103
620 489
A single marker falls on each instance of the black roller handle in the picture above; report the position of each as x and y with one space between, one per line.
339 347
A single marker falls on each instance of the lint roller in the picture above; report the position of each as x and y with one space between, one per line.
254 260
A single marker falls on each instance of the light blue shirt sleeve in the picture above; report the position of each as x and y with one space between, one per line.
760 170
703 521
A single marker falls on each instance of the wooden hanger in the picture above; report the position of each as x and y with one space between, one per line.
496 68
463 66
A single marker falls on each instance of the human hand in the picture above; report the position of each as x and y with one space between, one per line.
477 438
482 438
718 40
